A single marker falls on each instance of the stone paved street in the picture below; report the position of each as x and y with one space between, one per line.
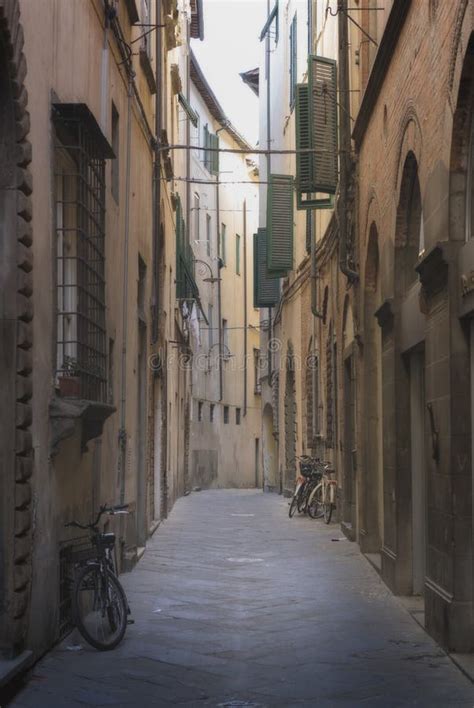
237 605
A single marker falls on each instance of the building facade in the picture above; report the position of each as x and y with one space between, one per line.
382 301
225 423
96 407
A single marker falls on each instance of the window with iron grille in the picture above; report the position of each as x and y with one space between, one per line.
80 150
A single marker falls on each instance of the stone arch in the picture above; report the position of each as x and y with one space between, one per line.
408 227
16 314
462 30
290 421
371 482
410 141
462 149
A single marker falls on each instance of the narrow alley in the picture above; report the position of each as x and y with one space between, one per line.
235 604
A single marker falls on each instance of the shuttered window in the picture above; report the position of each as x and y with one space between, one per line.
266 290
322 83
316 129
211 156
280 223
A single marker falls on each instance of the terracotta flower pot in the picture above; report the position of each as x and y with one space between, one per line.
70 387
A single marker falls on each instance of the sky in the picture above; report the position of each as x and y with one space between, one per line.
231 45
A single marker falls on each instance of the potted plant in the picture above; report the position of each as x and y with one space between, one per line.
70 379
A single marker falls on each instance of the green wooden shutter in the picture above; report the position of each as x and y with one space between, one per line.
214 156
304 168
280 223
322 82
268 289
179 269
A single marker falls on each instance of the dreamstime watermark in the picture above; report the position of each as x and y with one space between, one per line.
206 362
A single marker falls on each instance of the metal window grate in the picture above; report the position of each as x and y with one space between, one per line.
80 237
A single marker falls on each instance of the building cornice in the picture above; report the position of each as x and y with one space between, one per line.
383 58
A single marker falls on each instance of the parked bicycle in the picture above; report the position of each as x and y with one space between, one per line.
99 604
306 482
322 500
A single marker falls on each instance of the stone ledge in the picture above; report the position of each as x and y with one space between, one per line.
9 668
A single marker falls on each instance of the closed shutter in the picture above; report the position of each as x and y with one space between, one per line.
179 250
280 223
322 82
304 169
214 158
268 289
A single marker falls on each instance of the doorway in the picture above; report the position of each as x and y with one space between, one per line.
141 436
418 474
157 449
349 451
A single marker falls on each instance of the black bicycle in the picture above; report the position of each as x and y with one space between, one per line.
99 604
307 480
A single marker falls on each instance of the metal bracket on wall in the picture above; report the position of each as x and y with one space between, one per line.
434 434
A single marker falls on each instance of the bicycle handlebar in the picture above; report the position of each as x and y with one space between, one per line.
111 510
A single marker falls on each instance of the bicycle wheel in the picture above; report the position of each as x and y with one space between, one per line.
293 506
100 607
327 504
315 503
301 499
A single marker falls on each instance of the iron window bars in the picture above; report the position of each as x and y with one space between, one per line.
80 150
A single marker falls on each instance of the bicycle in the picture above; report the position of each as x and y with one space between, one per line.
99 603
306 481
322 501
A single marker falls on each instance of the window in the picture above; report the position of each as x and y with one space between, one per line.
80 150
196 208
256 371
237 254
115 186
208 234
293 61
226 414
146 39
211 155
223 244
200 405
211 412
237 416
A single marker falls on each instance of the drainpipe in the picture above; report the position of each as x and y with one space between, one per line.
156 206
316 314
123 392
219 282
344 140
269 168
245 307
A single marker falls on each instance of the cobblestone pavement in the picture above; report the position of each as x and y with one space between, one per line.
238 605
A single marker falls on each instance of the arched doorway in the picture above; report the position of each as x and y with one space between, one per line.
290 424
349 504
371 491
270 452
16 461
410 401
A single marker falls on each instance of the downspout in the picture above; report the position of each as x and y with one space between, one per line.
344 140
156 215
188 138
269 167
219 282
245 309
316 314
123 392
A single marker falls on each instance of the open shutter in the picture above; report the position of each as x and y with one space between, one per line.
322 82
255 270
268 289
280 223
304 169
179 248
